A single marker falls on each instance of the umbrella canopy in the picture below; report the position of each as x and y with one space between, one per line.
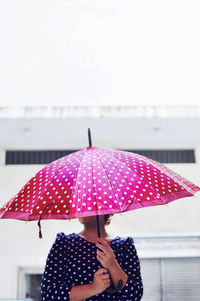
96 181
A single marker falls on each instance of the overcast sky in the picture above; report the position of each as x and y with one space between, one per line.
105 52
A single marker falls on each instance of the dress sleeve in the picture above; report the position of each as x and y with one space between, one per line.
56 283
133 289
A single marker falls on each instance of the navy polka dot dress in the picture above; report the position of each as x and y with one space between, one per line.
72 261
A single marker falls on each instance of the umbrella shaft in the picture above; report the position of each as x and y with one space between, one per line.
98 226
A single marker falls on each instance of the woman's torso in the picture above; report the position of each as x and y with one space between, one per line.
82 261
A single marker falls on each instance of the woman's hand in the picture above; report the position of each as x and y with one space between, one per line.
106 256
101 280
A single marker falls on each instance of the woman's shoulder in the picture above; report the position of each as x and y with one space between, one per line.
61 236
126 244
123 241
126 239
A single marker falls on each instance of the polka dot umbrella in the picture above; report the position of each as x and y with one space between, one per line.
96 181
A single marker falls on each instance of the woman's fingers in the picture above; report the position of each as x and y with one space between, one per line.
102 247
102 271
100 252
100 259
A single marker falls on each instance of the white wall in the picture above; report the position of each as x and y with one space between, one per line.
20 244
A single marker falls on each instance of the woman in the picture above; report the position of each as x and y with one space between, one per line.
74 271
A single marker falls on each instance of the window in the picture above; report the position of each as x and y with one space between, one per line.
47 156
171 279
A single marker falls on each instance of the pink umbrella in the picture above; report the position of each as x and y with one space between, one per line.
96 181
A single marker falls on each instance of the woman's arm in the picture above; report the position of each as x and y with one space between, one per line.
117 273
129 271
56 284
100 282
133 289
81 292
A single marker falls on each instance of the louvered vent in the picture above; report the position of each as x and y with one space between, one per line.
47 156
35 156
168 156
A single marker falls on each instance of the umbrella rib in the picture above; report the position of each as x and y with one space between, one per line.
93 187
78 169
43 189
108 180
175 176
49 182
162 197
123 174
136 175
167 173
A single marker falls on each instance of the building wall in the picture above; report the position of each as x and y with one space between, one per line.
21 246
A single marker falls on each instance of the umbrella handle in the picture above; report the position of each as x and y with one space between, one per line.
39 223
120 283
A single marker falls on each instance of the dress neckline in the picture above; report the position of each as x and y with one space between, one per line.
76 234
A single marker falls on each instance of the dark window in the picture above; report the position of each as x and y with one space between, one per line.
35 156
33 287
168 156
47 156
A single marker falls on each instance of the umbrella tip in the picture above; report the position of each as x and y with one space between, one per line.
89 137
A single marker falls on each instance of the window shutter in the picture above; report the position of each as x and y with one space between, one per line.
181 279
171 279
151 276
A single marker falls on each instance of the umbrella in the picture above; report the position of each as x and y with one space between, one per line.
95 181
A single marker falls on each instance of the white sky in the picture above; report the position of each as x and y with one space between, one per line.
105 52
